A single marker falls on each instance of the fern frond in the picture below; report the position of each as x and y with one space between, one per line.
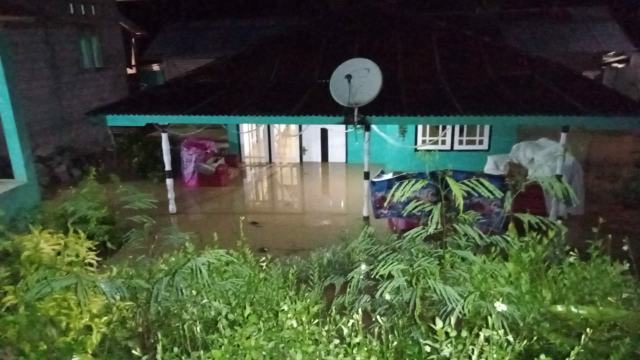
405 189
457 192
480 187
133 199
417 207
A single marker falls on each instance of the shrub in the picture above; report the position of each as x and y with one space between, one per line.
52 303
520 295
105 213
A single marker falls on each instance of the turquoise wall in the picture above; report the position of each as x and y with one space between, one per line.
398 153
233 138
587 121
24 193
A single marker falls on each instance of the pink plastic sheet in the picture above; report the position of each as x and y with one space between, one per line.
194 151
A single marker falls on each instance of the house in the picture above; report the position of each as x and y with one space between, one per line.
60 59
187 45
444 89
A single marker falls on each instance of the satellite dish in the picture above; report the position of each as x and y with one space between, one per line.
356 82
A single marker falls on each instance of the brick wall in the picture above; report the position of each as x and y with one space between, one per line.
52 88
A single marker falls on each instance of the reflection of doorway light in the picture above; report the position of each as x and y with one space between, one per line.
287 187
256 188
288 175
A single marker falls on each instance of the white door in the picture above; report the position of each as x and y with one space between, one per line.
285 143
254 143
324 143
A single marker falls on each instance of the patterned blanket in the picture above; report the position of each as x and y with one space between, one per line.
491 216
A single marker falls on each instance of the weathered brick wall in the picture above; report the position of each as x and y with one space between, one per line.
52 88
32 90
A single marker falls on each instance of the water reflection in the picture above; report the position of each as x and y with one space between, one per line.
288 208
273 188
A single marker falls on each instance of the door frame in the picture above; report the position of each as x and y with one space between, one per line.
270 143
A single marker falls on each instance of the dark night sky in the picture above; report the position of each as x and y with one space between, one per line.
152 15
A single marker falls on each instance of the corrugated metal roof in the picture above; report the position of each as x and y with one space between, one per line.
429 69
212 39
577 37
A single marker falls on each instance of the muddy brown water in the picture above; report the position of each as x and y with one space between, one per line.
287 209
293 209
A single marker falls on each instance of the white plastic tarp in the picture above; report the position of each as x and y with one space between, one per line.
540 157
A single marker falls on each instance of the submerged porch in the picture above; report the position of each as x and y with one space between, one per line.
292 209
288 209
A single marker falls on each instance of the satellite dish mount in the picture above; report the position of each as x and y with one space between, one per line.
353 84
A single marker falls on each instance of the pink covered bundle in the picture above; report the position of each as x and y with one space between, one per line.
195 151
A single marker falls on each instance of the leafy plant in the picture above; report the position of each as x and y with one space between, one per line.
143 156
469 295
439 216
53 300
105 213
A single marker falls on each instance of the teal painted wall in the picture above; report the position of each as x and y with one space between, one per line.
398 153
234 138
587 121
26 194
23 198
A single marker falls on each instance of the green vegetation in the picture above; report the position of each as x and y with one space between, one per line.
103 216
143 158
461 295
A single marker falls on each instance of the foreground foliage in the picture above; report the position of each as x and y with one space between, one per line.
369 298
104 213
442 291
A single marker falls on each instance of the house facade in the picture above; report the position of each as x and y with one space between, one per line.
60 59
68 59
449 98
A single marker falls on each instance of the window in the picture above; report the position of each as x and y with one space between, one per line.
91 50
447 137
434 137
471 137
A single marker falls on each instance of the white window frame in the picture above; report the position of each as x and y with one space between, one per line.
482 141
441 141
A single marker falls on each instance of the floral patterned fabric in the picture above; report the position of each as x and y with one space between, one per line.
491 216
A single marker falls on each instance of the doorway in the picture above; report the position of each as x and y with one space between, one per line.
324 143
285 143
264 144
254 144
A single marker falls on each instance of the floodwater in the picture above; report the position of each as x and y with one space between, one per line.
288 209
292 209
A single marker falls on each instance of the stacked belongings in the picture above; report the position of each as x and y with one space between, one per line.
201 164
491 215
